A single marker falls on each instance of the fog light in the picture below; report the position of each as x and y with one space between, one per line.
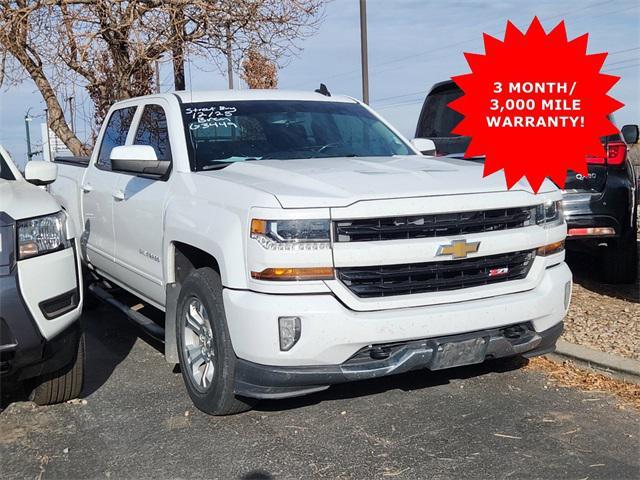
567 294
289 332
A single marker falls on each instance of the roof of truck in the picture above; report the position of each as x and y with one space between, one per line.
235 95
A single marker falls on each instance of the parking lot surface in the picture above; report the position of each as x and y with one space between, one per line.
493 421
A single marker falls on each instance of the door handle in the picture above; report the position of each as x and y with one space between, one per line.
86 188
118 195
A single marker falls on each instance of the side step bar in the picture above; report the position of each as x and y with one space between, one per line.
148 325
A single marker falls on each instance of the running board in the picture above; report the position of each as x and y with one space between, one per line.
148 325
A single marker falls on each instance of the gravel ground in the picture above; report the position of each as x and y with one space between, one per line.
603 317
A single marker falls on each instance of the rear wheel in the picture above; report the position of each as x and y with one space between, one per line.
61 385
620 260
207 359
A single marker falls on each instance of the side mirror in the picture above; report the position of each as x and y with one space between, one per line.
40 172
424 146
138 159
630 134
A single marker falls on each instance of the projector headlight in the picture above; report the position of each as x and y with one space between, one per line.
549 214
40 235
291 234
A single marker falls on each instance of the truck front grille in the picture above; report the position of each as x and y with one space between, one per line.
405 279
434 225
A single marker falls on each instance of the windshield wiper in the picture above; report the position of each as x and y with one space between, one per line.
216 166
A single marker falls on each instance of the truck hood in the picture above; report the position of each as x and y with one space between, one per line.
20 199
342 181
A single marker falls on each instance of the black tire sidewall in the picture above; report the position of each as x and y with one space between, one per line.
205 285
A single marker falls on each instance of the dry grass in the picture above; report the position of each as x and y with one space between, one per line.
566 374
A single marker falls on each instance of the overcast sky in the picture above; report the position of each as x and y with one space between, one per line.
412 44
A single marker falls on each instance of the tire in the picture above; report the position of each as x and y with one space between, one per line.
207 359
620 260
61 385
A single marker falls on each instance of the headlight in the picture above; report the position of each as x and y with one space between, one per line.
549 214
40 235
291 234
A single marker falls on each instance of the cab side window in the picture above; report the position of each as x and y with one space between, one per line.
152 130
115 135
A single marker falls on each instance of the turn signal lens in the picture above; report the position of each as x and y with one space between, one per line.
258 227
550 249
294 274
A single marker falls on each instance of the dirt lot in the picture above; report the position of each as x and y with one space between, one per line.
603 317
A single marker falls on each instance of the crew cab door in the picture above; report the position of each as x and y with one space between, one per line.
97 188
139 204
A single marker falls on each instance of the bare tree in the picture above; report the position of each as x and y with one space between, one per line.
108 47
258 71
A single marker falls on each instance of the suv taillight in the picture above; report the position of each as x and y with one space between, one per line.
616 155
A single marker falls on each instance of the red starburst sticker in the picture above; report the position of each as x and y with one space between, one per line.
535 105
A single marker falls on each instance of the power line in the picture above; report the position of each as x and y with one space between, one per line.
621 68
633 59
623 51
375 68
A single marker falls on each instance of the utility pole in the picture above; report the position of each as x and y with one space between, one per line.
229 57
363 51
27 120
177 49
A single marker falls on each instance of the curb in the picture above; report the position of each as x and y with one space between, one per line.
626 367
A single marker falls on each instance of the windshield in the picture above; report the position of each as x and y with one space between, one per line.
5 172
221 133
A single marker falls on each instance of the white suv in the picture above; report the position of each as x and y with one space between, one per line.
41 344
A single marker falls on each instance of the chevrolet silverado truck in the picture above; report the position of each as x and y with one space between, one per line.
295 240
41 343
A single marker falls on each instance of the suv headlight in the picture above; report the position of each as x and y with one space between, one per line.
40 235
549 214
291 234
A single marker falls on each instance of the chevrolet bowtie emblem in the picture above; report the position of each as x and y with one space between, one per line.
458 249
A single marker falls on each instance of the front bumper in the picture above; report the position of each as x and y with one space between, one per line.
332 334
262 381
24 350
612 208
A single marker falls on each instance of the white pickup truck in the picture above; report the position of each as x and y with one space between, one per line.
296 240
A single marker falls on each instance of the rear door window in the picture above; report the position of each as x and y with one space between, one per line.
115 135
153 131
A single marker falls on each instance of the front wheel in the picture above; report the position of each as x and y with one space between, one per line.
207 359
61 385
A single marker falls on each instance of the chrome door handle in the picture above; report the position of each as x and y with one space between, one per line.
118 195
87 188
